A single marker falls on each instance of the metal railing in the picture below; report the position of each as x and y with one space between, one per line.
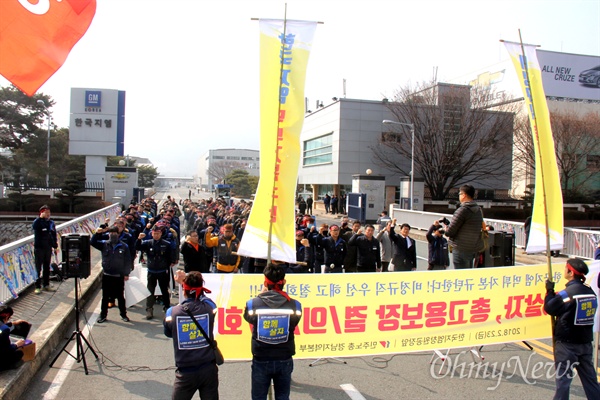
17 266
577 242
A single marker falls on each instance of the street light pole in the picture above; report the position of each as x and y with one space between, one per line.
41 102
412 155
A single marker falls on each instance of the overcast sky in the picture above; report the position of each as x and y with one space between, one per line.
190 67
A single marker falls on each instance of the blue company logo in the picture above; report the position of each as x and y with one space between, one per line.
93 98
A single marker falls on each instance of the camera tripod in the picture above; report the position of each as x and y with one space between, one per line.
77 335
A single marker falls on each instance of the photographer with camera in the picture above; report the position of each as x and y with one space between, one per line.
438 246
464 231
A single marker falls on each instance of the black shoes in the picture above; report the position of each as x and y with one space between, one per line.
101 320
124 318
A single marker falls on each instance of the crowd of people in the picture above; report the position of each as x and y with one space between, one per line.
213 229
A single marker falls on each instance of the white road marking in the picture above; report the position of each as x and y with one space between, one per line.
352 392
66 366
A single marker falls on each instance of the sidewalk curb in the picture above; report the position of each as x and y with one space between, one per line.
49 335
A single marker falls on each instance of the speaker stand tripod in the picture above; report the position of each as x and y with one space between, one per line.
77 336
326 360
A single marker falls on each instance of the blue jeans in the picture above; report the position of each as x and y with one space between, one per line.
278 371
463 259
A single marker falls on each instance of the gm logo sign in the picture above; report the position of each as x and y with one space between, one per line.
93 98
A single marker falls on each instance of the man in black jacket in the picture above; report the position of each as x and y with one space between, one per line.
574 309
369 253
161 256
351 251
197 370
44 240
116 266
272 349
464 231
405 254
193 254
335 250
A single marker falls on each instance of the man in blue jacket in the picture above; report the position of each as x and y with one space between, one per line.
274 317
197 370
44 241
116 266
161 256
574 309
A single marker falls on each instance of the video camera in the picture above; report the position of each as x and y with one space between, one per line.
444 221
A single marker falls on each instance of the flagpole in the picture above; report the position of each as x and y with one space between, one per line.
271 210
541 167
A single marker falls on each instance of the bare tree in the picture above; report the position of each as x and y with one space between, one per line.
219 170
577 147
462 134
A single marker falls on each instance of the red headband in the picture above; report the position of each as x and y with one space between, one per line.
197 290
277 287
574 271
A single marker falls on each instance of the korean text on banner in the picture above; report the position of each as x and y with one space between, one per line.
37 38
369 314
284 51
545 157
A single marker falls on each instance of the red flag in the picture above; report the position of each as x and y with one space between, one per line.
35 39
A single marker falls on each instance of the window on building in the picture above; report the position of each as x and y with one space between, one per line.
318 150
391 137
323 190
233 158
218 157
593 162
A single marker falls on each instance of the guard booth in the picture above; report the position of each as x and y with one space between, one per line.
224 191
356 206
501 250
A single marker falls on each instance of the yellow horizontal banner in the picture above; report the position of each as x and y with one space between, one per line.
379 313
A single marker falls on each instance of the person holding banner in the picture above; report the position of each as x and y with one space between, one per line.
272 349
574 309
197 370
464 231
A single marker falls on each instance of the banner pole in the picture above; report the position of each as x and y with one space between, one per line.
272 215
543 183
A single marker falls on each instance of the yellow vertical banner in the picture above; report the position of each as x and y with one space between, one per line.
284 51
525 61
